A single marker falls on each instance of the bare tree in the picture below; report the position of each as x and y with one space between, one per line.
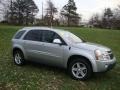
22 12
95 20
4 6
51 10
103 21
116 18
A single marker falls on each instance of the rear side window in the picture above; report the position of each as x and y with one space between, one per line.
34 35
19 34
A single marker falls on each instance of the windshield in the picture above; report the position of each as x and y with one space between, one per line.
71 38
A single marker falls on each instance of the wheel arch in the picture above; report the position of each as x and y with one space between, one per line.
16 48
79 56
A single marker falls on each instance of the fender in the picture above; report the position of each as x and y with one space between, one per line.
21 48
84 53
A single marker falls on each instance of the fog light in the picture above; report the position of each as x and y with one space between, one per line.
106 66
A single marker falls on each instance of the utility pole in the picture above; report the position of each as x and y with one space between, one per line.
11 7
51 15
42 15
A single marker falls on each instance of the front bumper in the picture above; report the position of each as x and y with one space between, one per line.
103 66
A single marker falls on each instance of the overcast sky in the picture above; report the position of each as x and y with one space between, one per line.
85 7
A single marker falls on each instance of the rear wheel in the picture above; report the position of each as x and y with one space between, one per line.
18 58
80 69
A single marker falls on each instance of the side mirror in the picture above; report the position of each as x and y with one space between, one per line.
57 41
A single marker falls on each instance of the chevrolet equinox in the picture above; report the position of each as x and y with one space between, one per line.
62 49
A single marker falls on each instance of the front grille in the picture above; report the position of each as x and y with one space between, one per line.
111 54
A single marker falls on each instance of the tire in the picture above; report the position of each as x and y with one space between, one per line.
18 58
80 69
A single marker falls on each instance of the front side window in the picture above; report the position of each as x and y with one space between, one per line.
19 34
48 36
34 35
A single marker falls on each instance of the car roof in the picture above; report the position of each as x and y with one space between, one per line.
43 28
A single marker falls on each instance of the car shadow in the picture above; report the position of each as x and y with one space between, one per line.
62 71
46 67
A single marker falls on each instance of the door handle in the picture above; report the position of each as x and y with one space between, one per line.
43 44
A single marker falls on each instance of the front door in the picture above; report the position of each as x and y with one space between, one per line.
53 52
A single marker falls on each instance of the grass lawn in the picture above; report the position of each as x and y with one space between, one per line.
40 77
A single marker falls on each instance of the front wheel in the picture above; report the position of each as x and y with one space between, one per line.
18 58
80 69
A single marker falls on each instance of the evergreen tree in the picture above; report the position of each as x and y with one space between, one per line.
108 13
69 11
107 18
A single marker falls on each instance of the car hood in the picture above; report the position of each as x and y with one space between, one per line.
91 46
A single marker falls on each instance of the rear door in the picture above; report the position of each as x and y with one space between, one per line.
33 45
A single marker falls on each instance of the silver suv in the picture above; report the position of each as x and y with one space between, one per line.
63 49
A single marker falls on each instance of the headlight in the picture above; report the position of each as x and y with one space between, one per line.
101 55
98 54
